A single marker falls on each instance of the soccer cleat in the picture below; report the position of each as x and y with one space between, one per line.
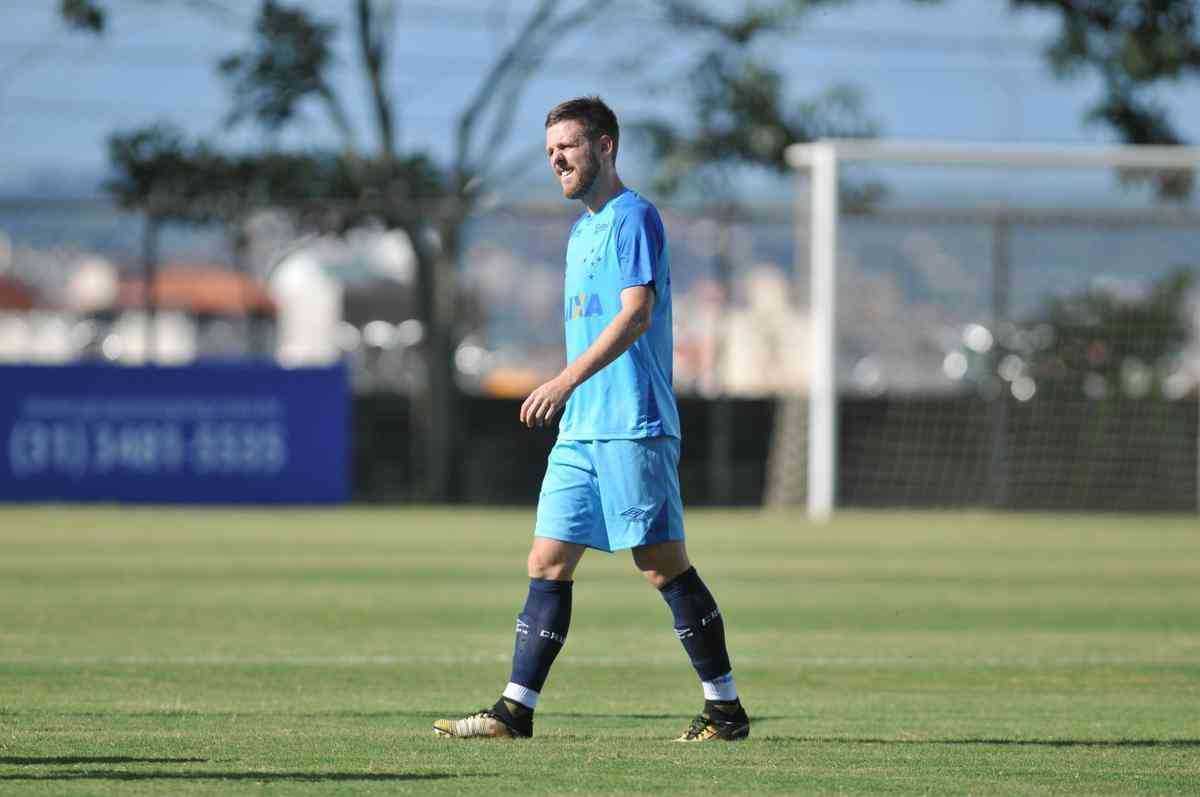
484 723
707 727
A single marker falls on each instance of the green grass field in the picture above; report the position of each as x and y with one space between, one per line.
173 651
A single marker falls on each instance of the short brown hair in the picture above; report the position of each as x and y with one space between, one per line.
595 116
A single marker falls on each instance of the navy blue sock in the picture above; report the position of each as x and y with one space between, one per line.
698 624
541 632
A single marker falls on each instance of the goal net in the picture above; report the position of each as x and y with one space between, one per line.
1014 327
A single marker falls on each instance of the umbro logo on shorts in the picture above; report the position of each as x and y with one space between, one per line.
637 513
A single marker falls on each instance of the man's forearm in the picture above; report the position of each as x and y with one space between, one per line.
613 341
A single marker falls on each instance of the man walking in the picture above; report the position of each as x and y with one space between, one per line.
612 478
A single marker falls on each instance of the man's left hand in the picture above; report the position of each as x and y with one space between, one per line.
546 402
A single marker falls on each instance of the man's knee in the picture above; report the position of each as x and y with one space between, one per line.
553 560
661 563
659 578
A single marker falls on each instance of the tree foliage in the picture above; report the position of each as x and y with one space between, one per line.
158 169
1134 47
739 113
740 116
288 62
83 15
1109 340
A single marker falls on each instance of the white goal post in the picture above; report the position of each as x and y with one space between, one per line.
818 163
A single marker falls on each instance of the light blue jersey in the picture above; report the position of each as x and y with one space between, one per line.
620 246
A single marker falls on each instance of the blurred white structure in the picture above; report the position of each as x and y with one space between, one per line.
752 344
309 285
174 338
762 338
93 286
309 313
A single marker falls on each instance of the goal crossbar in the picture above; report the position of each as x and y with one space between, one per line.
803 156
818 162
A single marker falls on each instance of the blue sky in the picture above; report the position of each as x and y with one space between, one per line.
966 70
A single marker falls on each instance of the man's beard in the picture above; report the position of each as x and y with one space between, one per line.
588 173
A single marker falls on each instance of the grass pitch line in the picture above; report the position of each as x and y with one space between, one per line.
763 662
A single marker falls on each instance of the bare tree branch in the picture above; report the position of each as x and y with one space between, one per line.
374 32
741 30
469 115
506 108
500 90
340 119
288 62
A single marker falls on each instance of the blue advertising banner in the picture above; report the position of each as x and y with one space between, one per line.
219 433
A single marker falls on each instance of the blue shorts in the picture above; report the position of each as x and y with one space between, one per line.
612 494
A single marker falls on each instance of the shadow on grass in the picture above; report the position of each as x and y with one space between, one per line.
1179 743
754 718
581 715
86 759
260 777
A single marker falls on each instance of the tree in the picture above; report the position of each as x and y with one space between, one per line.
742 117
1134 48
739 114
289 65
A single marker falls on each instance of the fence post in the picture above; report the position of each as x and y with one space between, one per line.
1001 291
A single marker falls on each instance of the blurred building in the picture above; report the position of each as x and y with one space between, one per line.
18 321
753 343
351 297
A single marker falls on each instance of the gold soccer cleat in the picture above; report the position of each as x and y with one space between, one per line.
485 723
705 728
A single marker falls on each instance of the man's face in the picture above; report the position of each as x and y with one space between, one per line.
572 157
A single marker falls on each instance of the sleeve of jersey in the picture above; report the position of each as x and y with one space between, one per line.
639 247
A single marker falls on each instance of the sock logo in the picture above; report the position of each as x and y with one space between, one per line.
708 618
551 635
522 627
684 633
